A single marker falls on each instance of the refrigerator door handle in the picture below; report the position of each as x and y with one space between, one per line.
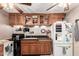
64 50
56 36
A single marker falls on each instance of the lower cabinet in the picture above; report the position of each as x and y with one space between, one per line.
36 47
1 50
46 47
25 49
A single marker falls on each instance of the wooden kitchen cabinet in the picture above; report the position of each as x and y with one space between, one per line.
46 47
32 19
29 47
28 20
12 19
56 17
38 19
36 47
20 19
16 19
1 50
35 19
44 19
25 49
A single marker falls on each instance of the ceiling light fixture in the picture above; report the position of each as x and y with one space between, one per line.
7 5
66 8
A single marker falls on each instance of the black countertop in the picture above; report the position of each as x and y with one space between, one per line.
32 37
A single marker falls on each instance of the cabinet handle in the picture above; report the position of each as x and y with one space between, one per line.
56 36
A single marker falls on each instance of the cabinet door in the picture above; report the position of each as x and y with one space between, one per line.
36 19
46 48
28 20
16 19
12 19
44 19
20 19
29 47
25 49
55 17
35 48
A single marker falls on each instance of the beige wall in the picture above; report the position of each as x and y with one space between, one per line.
5 29
4 17
71 17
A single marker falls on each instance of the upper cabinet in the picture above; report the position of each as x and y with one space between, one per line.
28 20
20 19
12 20
34 19
56 17
16 19
44 19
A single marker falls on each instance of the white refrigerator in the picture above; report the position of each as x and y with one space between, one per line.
62 39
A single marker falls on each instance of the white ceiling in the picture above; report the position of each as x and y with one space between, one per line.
40 8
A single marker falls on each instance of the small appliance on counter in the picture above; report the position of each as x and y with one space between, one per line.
17 44
62 40
26 29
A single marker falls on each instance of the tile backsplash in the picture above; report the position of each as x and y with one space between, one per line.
35 30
